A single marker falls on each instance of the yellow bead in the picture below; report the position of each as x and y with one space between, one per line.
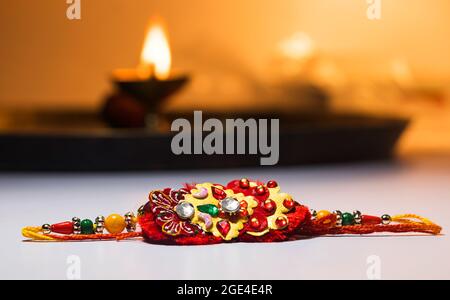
115 223
323 214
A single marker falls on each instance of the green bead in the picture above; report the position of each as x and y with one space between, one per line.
209 209
348 219
87 227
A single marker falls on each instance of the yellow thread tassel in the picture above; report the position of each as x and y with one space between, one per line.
417 220
35 233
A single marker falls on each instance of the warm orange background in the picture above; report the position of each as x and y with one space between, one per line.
47 60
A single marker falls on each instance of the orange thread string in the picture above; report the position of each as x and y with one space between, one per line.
36 234
81 237
406 223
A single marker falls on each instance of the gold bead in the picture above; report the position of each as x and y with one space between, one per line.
386 219
323 214
115 223
46 229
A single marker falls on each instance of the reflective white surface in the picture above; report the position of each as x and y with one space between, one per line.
421 187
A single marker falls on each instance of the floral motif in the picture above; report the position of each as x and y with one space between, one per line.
163 206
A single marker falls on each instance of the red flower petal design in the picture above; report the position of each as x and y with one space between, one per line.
163 206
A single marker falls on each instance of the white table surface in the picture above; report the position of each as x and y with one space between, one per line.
421 187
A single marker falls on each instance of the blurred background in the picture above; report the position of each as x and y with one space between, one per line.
262 55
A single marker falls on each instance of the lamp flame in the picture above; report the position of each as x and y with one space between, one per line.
156 54
299 46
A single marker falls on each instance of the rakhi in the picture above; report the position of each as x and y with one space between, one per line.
241 211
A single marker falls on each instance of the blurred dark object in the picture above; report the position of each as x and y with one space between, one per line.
138 101
152 92
306 96
123 111
37 145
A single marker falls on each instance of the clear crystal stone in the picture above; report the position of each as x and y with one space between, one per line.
185 210
230 205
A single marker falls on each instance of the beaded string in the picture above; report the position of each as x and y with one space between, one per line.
36 234
322 223
82 230
328 223
171 211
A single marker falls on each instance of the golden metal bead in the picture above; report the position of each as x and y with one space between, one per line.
46 228
386 219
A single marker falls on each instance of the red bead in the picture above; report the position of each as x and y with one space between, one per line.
223 227
269 205
370 220
244 183
219 194
254 222
260 190
244 204
243 213
288 203
62 228
282 222
258 223
272 184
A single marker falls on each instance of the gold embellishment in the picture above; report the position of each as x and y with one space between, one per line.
278 198
261 233
236 222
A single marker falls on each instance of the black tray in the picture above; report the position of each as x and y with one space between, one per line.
80 142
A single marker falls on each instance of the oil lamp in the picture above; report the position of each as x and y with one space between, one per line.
149 84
